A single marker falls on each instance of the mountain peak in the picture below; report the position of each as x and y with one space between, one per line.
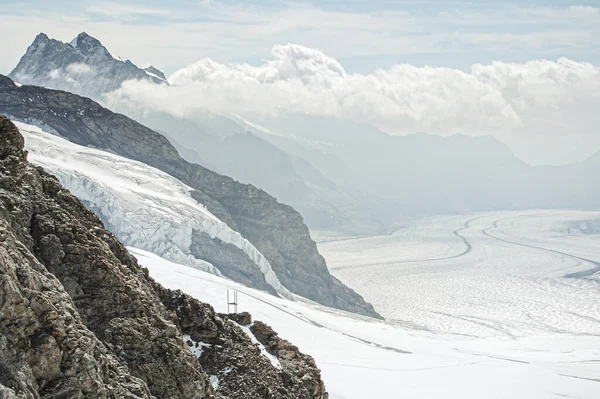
41 37
40 41
83 66
85 43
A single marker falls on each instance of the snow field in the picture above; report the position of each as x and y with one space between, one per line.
493 288
364 358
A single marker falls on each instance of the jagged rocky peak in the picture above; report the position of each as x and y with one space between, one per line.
83 66
40 38
83 40
80 318
87 45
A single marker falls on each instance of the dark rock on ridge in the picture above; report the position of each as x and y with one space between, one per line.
275 229
289 355
79 318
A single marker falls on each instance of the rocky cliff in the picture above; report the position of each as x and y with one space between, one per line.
275 229
80 318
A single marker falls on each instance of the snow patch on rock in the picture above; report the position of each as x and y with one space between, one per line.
273 359
196 347
214 381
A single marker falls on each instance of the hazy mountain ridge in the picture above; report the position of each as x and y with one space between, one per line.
231 148
275 229
353 177
422 174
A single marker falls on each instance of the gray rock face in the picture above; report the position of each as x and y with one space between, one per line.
84 66
229 259
80 318
288 354
275 229
45 348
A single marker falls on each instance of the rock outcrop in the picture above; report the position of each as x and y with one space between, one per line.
275 229
80 318
227 361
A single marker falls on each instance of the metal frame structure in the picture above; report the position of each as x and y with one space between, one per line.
232 301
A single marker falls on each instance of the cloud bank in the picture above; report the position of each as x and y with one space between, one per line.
517 102
70 73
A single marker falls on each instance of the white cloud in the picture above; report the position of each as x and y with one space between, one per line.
54 74
175 36
77 68
401 98
117 10
510 100
584 11
289 62
69 73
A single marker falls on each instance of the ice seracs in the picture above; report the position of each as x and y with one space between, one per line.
143 206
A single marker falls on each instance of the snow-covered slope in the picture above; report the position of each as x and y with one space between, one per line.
363 358
143 206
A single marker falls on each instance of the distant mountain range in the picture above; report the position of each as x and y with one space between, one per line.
338 174
422 174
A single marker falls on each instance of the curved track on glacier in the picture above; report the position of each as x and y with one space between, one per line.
457 233
582 274
468 247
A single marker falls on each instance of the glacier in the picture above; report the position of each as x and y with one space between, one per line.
505 274
144 207
365 358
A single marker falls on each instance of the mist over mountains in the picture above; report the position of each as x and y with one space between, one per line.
340 174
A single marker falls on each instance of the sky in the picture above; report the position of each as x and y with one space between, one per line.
362 35
527 72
